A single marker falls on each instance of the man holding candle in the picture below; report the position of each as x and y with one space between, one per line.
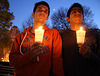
32 56
80 58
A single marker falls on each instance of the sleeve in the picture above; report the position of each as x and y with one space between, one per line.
93 40
95 56
16 59
57 64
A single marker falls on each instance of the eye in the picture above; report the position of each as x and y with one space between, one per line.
42 10
39 10
80 11
73 12
45 11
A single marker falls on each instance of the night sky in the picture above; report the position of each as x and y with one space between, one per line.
22 9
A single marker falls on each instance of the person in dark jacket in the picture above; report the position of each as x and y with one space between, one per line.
80 59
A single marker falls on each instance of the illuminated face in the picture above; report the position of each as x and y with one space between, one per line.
76 15
41 13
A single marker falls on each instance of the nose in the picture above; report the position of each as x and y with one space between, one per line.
42 11
77 12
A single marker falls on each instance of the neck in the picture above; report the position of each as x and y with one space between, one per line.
75 27
35 26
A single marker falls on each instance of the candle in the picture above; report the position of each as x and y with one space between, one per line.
39 34
80 35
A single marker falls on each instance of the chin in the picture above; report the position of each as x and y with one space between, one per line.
41 21
78 21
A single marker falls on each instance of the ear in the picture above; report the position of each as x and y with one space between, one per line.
33 14
47 18
67 18
83 19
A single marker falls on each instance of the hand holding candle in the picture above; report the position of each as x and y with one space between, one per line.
80 34
39 36
35 51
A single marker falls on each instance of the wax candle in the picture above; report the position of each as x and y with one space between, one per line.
80 35
39 34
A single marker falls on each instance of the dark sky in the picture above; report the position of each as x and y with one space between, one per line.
22 9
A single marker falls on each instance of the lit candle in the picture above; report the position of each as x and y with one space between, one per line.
39 34
80 34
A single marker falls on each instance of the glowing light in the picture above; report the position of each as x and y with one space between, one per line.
80 34
39 34
81 28
53 9
40 27
1 58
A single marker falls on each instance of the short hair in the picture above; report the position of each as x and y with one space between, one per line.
74 5
41 3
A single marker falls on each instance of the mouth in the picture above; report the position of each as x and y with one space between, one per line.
41 17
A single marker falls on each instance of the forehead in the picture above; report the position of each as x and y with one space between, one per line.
76 8
43 6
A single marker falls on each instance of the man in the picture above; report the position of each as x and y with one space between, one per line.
30 58
79 59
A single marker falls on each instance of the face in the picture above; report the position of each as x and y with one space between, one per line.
76 16
41 13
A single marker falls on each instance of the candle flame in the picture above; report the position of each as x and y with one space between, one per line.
40 27
81 28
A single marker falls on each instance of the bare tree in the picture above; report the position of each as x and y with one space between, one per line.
28 22
59 21
88 18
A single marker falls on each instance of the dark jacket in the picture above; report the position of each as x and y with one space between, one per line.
73 62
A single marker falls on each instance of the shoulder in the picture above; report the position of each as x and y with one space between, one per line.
20 35
92 33
91 38
53 31
65 32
